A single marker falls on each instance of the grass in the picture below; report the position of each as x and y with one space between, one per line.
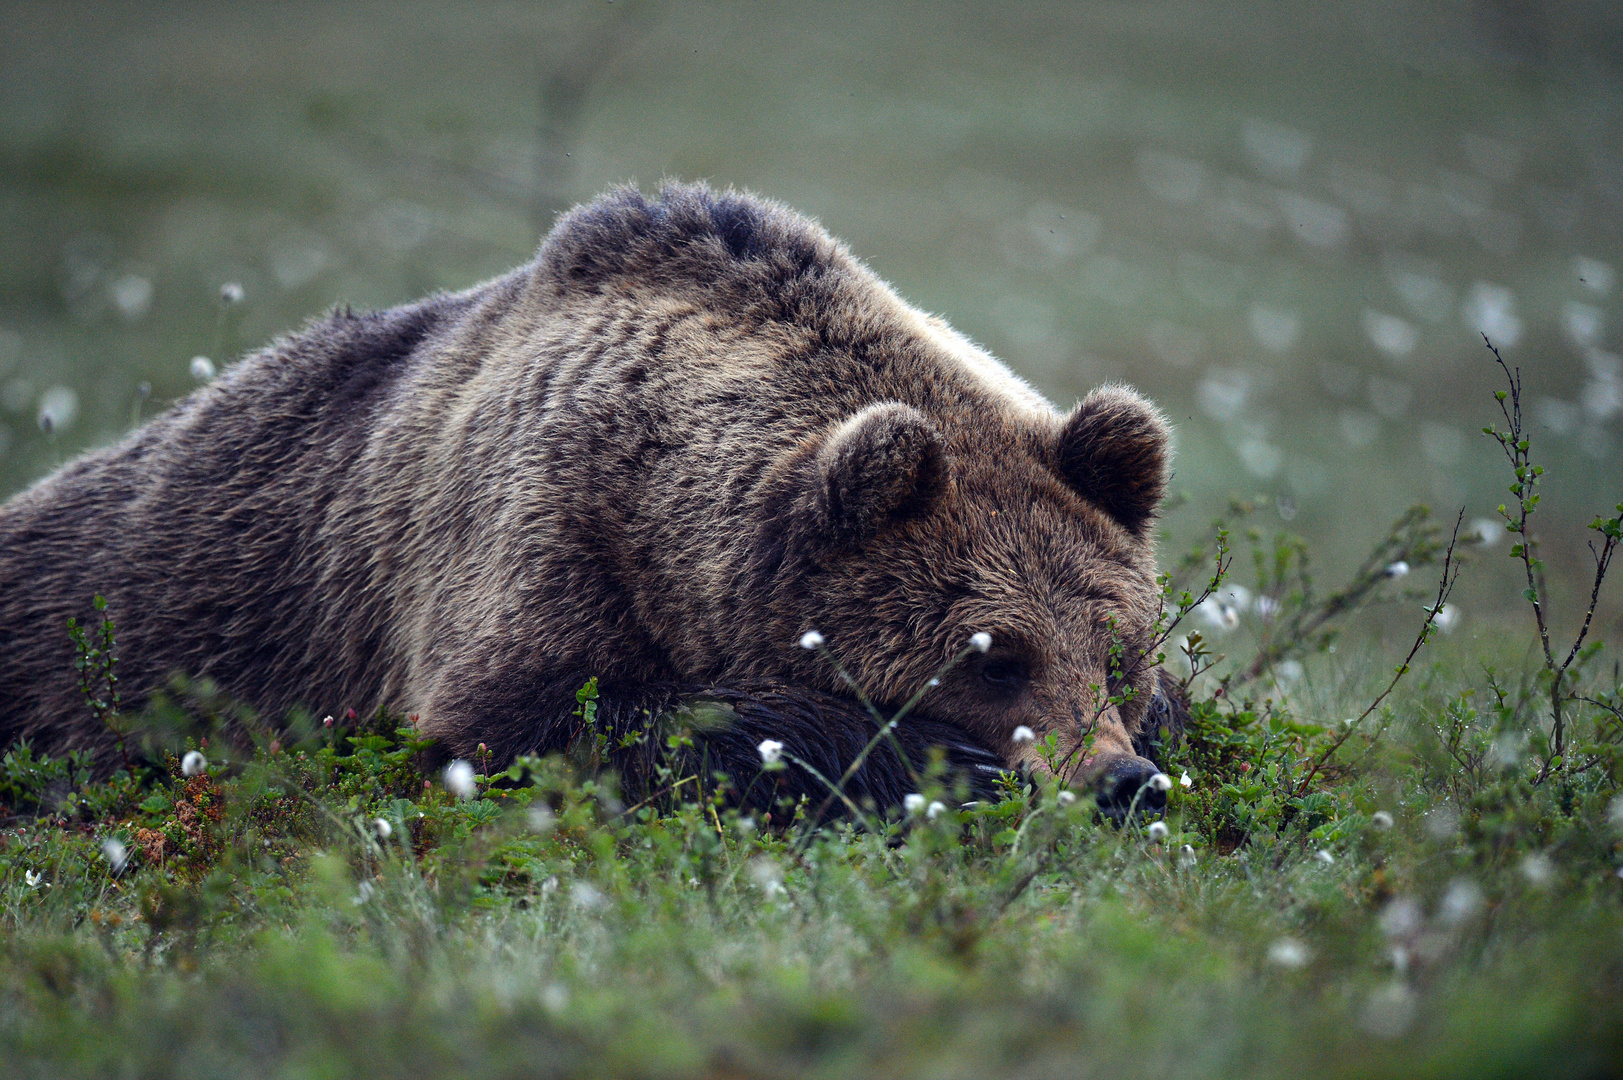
1427 907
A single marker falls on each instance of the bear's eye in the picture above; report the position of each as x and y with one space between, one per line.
1004 673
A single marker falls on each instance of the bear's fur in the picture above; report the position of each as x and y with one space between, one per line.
694 428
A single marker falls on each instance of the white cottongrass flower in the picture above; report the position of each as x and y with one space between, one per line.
555 998
1538 869
459 779
382 828
913 803
1460 902
1187 857
1446 618
766 875
1184 781
1161 782
1023 734
193 763
1381 820
1402 918
33 878
586 896
1484 532
1158 831
1066 797
934 809
1325 856
231 293
1614 813
980 642
1396 569
363 893
116 854
541 819
202 368
811 639
771 751
1288 953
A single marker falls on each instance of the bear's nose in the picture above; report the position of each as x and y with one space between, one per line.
1124 786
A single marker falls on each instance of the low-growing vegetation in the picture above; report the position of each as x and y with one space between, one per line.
1368 865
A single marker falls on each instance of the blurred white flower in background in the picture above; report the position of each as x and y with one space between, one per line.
1539 870
1485 532
459 779
1491 309
58 409
1593 274
1276 149
202 368
1394 337
116 854
1314 223
1275 328
766 875
1584 324
1461 900
193 763
1446 618
1288 953
131 296
771 751
1171 177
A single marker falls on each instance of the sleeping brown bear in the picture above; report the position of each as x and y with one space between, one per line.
692 430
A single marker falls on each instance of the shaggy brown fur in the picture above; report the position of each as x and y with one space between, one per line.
694 428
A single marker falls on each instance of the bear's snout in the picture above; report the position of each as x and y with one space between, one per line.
1124 787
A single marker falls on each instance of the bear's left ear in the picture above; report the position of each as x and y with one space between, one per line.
1114 451
880 464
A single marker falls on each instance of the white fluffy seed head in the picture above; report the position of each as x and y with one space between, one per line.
383 828
934 809
202 368
771 751
1066 797
1023 734
231 293
1382 819
459 779
980 642
1158 831
1396 569
811 639
913 803
1161 782
116 854
193 763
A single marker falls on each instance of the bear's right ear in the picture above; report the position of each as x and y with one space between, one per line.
1114 450
885 462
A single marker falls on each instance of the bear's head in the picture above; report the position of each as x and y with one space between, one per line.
904 534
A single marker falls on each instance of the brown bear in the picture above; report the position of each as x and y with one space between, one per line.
694 428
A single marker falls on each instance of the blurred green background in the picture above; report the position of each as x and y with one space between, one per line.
1286 222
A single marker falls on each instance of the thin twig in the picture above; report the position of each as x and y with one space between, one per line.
1445 586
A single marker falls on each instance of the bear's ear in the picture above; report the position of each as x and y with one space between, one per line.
885 462
1114 451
